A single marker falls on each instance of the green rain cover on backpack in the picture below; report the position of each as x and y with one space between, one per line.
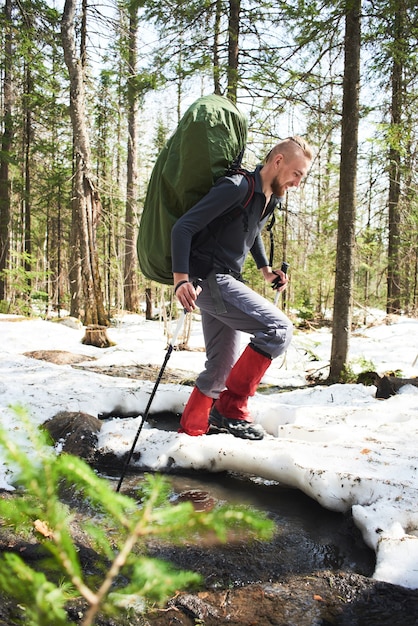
209 138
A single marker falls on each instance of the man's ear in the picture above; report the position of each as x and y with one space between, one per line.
278 158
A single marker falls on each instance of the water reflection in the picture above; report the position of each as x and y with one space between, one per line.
309 537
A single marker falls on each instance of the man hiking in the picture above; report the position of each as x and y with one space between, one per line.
209 245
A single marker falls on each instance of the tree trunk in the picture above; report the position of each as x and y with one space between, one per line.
393 280
6 144
347 194
86 201
148 303
233 48
28 133
131 295
76 283
216 38
96 335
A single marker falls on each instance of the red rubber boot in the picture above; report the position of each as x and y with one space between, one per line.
230 412
195 418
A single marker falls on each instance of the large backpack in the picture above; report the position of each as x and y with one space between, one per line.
208 141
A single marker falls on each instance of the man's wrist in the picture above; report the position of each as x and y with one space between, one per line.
180 283
266 270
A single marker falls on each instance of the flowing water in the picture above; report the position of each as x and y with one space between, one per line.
308 536
316 571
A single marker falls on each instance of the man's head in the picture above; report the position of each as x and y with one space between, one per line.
287 164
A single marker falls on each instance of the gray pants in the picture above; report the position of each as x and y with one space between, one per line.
244 311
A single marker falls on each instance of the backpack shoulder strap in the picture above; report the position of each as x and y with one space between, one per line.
251 186
238 210
223 220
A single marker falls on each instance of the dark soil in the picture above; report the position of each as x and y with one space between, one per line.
320 599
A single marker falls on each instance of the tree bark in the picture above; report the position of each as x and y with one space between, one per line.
131 295
347 194
233 49
96 335
86 201
394 240
148 303
6 144
216 39
28 134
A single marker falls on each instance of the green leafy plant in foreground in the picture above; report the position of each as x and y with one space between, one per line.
117 532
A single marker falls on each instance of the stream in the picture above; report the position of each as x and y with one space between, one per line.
316 571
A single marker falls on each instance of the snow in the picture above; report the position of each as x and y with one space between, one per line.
339 444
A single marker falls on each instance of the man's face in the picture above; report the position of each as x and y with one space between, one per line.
290 171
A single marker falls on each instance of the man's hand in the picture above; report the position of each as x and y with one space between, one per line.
186 292
277 278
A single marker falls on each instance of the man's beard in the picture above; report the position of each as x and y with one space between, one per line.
277 188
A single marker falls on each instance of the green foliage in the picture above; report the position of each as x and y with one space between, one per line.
355 368
290 76
348 375
117 531
305 310
20 279
252 276
43 601
365 364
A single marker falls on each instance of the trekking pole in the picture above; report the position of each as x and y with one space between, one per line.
151 398
284 268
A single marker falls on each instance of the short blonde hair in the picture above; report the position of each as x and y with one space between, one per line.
290 146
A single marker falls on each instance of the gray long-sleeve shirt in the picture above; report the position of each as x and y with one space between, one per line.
198 244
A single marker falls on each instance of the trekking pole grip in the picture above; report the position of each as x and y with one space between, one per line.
277 282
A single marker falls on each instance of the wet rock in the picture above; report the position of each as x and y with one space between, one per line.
387 385
195 606
77 432
201 500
